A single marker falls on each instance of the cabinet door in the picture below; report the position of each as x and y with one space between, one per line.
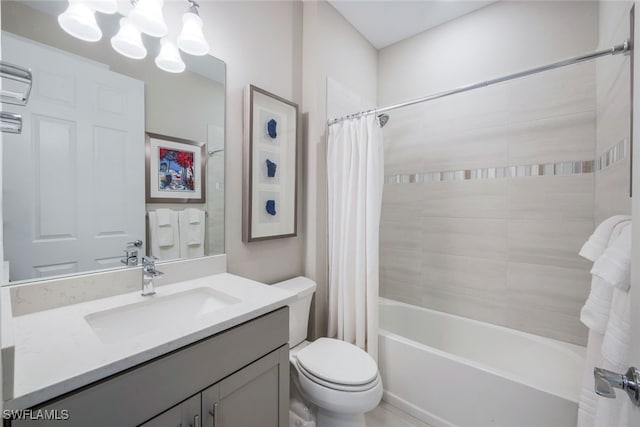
186 414
255 396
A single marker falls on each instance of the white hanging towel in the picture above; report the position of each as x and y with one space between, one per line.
609 345
164 234
614 267
599 240
595 315
192 222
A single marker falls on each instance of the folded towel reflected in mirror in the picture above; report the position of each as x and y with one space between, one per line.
192 229
164 234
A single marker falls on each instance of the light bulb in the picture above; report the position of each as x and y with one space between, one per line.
169 58
191 39
147 16
80 21
128 42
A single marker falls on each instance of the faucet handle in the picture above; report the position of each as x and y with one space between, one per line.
606 381
135 244
149 266
149 260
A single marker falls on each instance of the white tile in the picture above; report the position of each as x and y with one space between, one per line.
466 199
471 237
613 113
546 300
565 138
554 93
465 149
549 287
400 267
403 142
612 191
549 242
547 323
470 287
470 110
551 197
402 202
614 22
402 234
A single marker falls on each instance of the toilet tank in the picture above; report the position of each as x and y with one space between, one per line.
298 309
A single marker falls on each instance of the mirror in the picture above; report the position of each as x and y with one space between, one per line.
74 193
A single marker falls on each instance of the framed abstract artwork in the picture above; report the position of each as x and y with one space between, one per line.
175 170
270 166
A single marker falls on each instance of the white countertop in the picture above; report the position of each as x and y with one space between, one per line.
57 351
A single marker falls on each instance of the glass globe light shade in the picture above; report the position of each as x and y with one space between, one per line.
128 41
169 58
80 21
191 39
147 16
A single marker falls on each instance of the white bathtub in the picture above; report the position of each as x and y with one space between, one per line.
452 371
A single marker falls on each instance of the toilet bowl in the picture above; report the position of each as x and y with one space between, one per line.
339 379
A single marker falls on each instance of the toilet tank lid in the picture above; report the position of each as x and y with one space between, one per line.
302 286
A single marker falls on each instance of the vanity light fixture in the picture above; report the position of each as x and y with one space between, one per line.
169 58
147 16
128 41
80 21
191 40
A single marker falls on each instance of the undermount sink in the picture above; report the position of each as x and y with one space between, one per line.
156 313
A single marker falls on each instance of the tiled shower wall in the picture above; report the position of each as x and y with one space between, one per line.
489 197
490 194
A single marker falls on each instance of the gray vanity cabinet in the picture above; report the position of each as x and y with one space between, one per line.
237 378
246 398
186 414
252 397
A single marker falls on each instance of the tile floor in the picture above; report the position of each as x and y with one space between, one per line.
386 415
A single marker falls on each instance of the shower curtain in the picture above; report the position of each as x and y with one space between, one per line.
355 168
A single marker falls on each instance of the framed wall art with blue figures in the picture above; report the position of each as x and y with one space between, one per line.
270 166
175 170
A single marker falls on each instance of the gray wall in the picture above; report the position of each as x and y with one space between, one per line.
501 250
261 43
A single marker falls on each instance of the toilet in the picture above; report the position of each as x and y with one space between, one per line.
331 379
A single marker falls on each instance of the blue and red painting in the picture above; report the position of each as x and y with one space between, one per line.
176 170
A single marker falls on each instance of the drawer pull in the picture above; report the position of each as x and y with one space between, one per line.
214 412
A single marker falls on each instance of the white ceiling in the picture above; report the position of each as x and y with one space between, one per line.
384 22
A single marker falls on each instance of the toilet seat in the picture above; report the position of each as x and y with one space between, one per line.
338 365
329 399
336 385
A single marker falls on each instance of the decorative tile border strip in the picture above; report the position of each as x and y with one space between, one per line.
615 154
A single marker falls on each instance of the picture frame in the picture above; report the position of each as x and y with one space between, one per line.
270 166
175 169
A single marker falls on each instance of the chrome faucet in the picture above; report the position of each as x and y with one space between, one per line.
131 253
149 272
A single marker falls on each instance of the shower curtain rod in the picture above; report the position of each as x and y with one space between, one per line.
620 48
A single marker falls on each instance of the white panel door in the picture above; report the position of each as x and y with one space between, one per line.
74 180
